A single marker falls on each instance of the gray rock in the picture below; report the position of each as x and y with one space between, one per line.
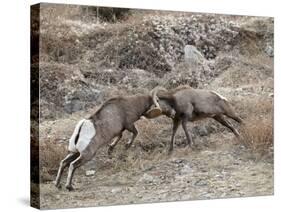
178 160
90 173
76 100
269 51
146 178
200 182
116 190
192 55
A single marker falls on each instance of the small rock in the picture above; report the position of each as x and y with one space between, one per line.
162 177
139 195
178 161
269 51
146 178
201 182
90 173
116 190
149 168
219 176
213 27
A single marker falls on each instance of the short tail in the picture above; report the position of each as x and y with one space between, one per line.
75 136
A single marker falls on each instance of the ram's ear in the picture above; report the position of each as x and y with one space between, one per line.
153 113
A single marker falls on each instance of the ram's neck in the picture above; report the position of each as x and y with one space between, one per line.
142 103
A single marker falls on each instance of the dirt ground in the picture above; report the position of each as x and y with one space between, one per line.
221 168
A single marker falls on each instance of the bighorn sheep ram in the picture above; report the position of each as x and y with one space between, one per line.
185 104
110 120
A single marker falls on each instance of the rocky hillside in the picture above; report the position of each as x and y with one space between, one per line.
83 61
87 58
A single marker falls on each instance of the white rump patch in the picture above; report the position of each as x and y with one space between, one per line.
219 95
87 132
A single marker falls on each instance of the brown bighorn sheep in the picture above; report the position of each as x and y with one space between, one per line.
111 119
185 104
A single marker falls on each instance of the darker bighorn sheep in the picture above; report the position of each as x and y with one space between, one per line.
185 104
110 120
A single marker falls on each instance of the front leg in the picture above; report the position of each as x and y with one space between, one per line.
187 134
114 143
133 130
176 123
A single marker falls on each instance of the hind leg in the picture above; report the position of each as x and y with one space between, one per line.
176 123
73 166
235 117
187 134
64 163
225 123
188 115
229 112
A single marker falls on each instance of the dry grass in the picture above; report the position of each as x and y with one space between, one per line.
257 132
252 105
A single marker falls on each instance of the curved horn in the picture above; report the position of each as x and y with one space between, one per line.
155 111
154 96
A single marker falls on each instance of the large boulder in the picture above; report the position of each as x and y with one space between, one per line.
193 55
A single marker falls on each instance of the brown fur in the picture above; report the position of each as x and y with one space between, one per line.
185 104
110 120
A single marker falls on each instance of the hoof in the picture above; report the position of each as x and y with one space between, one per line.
109 151
194 147
110 156
128 145
188 144
58 186
69 187
169 151
185 144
